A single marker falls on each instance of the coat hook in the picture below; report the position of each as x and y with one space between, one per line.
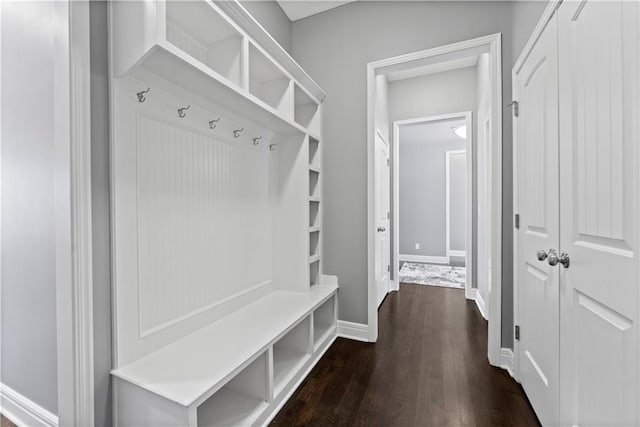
236 133
181 111
213 123
272 147
141 97
256 141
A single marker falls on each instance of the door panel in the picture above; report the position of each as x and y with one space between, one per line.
382 247
598 44
536 88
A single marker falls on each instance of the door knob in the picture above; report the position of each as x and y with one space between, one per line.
381 229
553 259
542 255
564 259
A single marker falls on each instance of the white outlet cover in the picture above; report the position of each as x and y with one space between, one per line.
417 245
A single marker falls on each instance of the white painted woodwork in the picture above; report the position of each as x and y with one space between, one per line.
382 222
186 373
220 304
536 89
599 214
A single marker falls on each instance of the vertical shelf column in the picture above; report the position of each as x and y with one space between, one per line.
315 211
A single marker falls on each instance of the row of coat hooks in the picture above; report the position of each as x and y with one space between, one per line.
182 113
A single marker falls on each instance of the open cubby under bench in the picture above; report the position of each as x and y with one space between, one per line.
237 371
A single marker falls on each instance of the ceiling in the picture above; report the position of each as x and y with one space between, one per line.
432 131
299 9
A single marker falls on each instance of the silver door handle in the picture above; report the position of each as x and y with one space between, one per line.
553 259
381 229
542 255
564 259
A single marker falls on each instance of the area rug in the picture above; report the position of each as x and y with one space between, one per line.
433 275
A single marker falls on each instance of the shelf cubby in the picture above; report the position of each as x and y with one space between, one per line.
323 322
314 152
314 183
314 243
314 273
290 353
268 82
201 32
314 214
307 111
239 402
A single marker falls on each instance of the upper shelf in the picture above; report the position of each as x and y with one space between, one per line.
195 46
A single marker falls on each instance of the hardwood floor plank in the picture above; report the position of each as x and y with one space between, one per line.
428 368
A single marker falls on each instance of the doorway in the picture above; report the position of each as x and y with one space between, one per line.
440 59
433 220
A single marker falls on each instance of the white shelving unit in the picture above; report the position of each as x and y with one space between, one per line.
220 305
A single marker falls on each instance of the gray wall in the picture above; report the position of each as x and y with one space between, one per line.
100 216
271 16
422 193
353 35
29 351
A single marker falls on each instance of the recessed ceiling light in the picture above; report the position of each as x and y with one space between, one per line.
461 131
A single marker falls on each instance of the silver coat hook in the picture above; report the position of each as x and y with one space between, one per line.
213 123
141 97
272 147
236 133
256 141
181 111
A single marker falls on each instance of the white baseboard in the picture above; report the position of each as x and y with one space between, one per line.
424 258
482 306
454 253
22 411
507 361
353 331
394 286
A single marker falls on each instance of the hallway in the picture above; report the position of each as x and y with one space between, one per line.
428 368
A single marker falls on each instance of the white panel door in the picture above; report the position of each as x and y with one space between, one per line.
536 89
382 243
599 158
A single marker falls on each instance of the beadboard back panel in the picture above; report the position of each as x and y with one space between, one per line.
193 236
204 232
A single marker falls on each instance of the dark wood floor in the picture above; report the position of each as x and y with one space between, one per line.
5 422
428 368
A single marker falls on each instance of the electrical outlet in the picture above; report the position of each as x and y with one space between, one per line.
417 245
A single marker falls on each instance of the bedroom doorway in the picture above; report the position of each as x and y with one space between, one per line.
433 200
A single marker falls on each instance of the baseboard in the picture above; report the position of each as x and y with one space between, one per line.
453 253
353 331
424 258
482 306
394 286
22 411
507 361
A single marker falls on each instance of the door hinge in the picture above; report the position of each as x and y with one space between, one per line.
518 332
388 162
388 215
388 269
516 108
517 221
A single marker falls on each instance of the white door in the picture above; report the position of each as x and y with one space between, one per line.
599 185
382 248
536 89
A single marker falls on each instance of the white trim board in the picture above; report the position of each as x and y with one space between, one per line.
468 195
424 258
507 361
73 229
353 331
491 44
23 411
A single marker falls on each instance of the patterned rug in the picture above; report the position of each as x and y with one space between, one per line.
433 275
